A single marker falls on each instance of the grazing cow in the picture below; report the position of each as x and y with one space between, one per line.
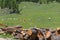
48 34
56 35
10 30
19 34
37 34
45 33
40 35
34 34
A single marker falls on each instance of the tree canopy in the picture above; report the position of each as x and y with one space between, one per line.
13 4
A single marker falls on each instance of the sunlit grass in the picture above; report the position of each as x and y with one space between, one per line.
34 15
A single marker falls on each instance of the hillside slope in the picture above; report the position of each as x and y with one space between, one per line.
34 15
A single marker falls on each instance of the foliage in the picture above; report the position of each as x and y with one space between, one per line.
14 4
11 4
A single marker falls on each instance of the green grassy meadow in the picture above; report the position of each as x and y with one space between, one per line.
34 15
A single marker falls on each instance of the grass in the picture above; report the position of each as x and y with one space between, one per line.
34 15
5 36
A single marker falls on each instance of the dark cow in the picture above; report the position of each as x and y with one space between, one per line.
34 34
39 34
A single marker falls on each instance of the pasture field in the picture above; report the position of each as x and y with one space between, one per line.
34 15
